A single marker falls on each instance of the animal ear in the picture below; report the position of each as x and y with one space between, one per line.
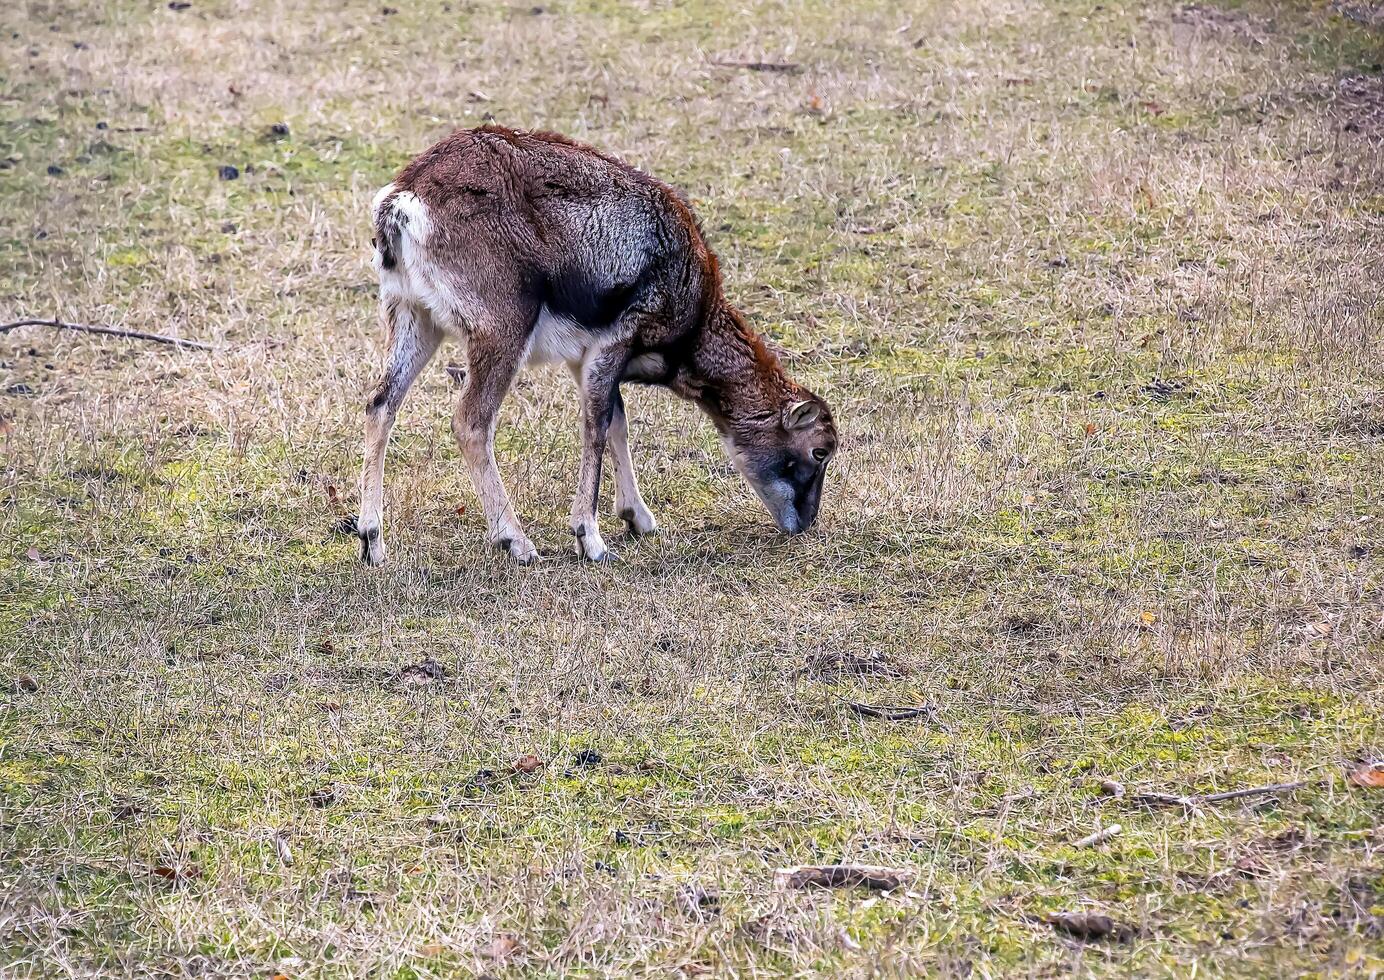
801 414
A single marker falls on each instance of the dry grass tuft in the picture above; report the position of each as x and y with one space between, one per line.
1095 293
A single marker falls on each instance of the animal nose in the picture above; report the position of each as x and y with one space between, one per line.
808 503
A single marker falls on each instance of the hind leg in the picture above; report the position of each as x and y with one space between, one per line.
493 354
412 342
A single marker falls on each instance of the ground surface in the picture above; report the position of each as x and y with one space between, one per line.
1095 291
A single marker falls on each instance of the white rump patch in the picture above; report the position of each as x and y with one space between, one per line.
416 278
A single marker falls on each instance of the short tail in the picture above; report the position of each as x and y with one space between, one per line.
389 224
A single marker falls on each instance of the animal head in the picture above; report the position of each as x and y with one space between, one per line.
783 456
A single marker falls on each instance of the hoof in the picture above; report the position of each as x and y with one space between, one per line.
588 544
638 521
518 547
372 550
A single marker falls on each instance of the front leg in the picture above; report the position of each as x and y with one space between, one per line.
600 373
629 503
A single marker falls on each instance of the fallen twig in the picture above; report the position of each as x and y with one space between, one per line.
1192 802
1099 837
1236 794
783 67
156 338
843 876
1164 799
889 712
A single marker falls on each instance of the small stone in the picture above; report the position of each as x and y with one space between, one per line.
228 172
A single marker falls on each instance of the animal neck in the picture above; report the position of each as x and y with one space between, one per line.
730 373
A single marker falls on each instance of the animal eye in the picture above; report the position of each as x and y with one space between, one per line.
819 454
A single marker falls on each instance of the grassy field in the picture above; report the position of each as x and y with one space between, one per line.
1095 291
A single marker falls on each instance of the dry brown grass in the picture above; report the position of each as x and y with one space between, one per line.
1096 295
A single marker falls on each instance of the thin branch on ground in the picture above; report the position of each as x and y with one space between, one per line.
1236 794
1192 802
889 712
156 338
1100 836
783 67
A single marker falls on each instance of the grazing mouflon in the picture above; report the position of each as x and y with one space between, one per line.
531 249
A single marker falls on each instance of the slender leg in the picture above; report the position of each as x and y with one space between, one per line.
412 342
629 504
492 363
600 374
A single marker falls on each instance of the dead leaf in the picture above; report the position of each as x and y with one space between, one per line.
421 674
1090 428
1087 926
1028 500
1148 618
1153 108
284 851
324 796
528 763
1109 787
432 949
501 947
25 684
33 555
1367 775
176 874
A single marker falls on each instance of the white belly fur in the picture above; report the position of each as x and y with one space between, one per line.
557 340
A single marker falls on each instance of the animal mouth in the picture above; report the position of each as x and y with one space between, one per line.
800 514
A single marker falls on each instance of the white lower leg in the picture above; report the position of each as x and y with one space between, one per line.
629 504
586 531
503 530
412 342
378 422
